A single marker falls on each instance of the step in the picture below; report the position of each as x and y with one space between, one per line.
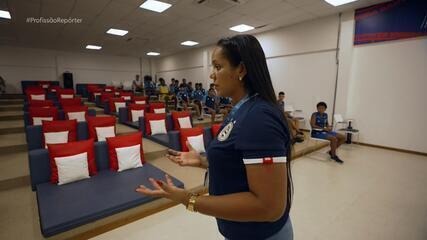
12 96
11 115
14 170
11 101
11 107
11 126
12 143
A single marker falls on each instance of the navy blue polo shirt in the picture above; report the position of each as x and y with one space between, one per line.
182 95
198 95
210 102
259 132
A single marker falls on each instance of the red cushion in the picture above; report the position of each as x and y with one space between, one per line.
184 133
111 88
70 102
123 141
44 83
215 130
34 89
70 149
40 103
93 122
156 106
106 96
176 115
61 126
122 94
64 91
112 105
52 87
139 98
69 109
133 106
43 112
150 117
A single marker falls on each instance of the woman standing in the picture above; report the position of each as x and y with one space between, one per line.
250 183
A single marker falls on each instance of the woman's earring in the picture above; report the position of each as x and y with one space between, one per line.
240 78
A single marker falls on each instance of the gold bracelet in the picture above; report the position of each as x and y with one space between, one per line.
192 202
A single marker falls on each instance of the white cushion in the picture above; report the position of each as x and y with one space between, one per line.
197 143
118 105
96 94
104 132
136 114
67 96
79 116
160 110
184 122
55 137
108 90
140 102
53 90
38 120
38 97
158 127
127 98
72 168
45 85
129 157
117 93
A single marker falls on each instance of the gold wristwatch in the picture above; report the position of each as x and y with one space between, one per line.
192 202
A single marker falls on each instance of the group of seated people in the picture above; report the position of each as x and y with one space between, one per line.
186 97
320 127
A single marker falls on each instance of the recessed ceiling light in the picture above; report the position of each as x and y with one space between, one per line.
4 14
93 47
242 28
117 32
339 2
153 54
189 43
155 6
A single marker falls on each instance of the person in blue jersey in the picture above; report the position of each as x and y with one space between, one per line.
198 95
250 183
211 102
184 99
320 128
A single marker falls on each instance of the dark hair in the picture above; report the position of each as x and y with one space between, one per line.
281 93
321 104
245 49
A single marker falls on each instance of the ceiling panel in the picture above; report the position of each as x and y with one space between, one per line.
148 30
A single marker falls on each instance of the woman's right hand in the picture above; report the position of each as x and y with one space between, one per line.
191 158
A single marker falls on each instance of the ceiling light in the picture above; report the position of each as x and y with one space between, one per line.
4 14
189 43
339 2
242 28
93 47
153 54
155 6
117 32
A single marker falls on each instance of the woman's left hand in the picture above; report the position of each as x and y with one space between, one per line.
165 189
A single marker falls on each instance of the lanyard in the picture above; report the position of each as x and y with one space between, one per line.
237 107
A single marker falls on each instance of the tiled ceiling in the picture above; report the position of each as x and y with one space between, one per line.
150 31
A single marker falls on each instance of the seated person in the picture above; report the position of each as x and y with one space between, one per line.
162 89
137 84
297 134
321 129
198 95
184 99
212 105
190 88
149 86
